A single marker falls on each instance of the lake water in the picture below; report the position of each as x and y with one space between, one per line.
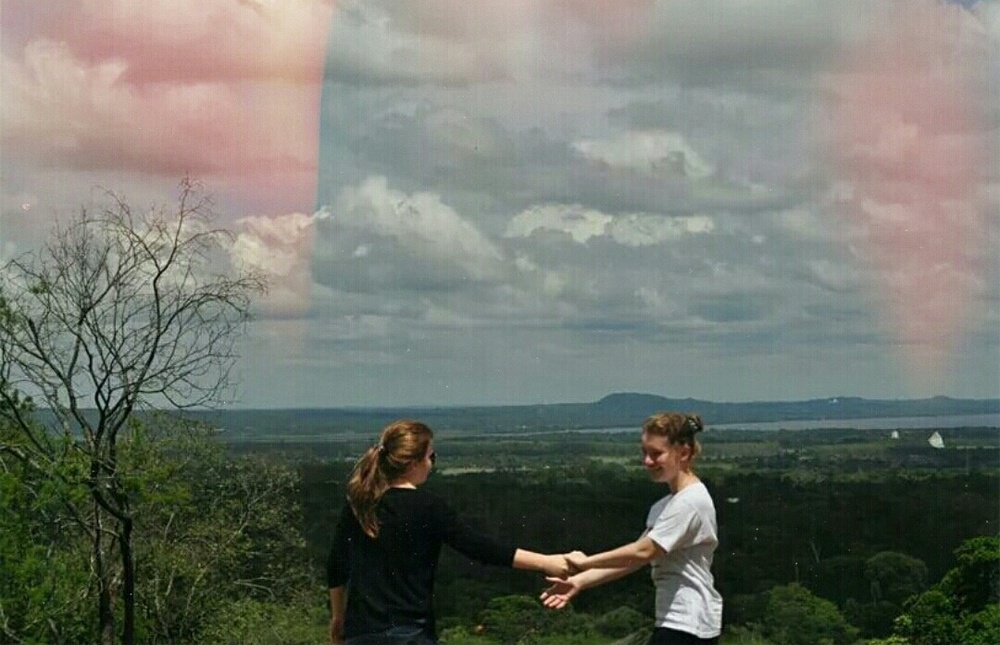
879 423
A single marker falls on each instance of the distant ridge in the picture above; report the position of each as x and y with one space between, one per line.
842 407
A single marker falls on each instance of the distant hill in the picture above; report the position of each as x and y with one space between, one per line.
614 410
812 409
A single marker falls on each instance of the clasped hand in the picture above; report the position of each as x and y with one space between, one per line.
563 587
564 565
574 560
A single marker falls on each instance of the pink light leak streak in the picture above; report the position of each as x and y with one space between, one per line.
227 91
909 148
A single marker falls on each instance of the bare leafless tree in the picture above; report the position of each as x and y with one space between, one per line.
120 311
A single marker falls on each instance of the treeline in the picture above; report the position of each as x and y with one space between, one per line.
864 546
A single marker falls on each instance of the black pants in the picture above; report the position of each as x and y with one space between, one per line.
395 636
666 636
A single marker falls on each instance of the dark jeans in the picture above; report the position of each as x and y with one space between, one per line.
409 635
665 636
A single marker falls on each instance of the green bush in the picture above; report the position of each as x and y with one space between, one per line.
621 622
255 622
981 628
963 606
521 620
795 616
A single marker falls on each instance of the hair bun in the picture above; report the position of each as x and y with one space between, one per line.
694 422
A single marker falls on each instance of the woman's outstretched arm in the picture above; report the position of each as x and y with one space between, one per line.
561 592
634 554
556 566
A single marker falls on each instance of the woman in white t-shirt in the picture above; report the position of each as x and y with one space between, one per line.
679 541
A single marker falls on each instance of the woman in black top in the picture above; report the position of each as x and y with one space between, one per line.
385 550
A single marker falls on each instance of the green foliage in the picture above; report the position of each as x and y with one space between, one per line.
745 609
44 567
875 619
795 616
890 640
214 535
741 635
461 635
982 627
621 622
521 620
247 621
115 312
929 619
975 581
219 547
962 607
214 531
894 576
826 532
44 574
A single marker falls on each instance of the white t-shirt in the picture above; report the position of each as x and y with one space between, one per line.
684 526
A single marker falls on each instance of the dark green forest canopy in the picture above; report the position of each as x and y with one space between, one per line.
848 521
776 525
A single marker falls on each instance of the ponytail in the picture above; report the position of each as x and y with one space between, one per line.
365 488
402 443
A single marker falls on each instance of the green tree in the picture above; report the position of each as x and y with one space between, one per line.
248 621
794 616
981 627
521 620
974 583
119 311
894 577
621 622
219 535
43 572
963 606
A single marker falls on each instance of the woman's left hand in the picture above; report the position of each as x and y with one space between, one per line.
560 593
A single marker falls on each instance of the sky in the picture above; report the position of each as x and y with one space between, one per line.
544 201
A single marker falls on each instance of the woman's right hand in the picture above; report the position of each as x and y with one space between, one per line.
575 561
561 592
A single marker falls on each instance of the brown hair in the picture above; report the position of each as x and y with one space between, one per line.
678 428
402 444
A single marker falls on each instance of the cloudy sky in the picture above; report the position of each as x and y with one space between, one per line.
524 201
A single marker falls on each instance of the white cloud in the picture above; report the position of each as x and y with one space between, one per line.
522 193
280 248
659 152
645 230
275 245
583 224
454 42
580 223
374 237
435 41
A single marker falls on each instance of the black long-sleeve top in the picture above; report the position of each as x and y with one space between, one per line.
390 579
